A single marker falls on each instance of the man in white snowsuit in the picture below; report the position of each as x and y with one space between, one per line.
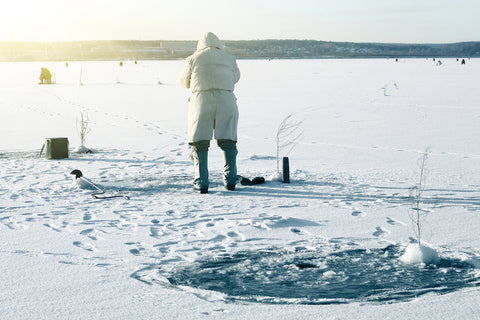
211 74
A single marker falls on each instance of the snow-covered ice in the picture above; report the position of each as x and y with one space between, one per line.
325 246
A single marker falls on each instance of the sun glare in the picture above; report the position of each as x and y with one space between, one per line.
24 20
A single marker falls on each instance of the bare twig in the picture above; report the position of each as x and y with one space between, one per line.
83 127
288 136
418 214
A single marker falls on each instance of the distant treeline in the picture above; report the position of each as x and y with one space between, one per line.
246 49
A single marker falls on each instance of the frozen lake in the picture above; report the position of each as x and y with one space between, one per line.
324 246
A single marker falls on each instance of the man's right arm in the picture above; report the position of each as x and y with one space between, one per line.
186 74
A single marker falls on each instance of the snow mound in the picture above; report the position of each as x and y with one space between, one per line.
81 149
416 253
276 176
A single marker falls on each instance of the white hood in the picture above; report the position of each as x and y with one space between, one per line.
209 40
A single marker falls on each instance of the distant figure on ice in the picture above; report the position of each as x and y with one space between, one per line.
45 76
463 61
211 74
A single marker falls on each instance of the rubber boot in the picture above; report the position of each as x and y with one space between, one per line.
200 163
230 168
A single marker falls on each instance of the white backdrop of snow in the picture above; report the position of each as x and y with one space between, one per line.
65 255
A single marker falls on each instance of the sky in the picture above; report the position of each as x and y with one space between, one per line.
399 21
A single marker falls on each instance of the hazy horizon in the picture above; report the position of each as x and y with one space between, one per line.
194 40
369 21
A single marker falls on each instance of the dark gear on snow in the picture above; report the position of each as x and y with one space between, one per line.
247 182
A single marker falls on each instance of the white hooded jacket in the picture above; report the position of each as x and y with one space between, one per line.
211 74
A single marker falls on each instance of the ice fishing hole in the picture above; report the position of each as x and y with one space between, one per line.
313 277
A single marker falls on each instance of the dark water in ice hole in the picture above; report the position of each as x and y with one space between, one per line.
308 277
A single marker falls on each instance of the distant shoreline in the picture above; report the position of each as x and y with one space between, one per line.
244 49
246 58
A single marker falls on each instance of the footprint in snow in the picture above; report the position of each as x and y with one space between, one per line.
394 222
87 217
136 251
55 227
381 232
138 248
236 235
299 231
218 238
84 245
358 213
91 233
156 231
